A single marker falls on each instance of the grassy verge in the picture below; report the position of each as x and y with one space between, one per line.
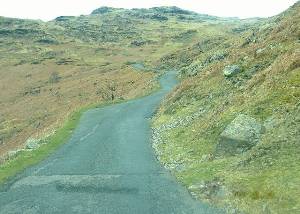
26 159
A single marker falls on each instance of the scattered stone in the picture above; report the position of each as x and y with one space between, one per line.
12 154
159 17
32 144
207 157
65 61
251 39
141 42
193 69
197 66
208 189
215 57
54 77
157 139
48 41
231 70
239 136
260 50
138 43
33 91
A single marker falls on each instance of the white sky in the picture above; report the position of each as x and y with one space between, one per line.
50 9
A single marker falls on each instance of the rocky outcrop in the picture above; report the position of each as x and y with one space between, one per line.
64 18
208 189
171 10
102 10
196 67
159 17
239 136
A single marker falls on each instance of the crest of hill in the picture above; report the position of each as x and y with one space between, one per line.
162 10
157 13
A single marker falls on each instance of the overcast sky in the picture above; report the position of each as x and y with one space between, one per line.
50 9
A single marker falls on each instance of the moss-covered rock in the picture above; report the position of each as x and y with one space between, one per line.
239 136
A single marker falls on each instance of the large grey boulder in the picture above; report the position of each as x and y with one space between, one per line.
231 70
239 136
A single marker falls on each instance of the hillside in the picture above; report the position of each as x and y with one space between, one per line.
50 69
230 130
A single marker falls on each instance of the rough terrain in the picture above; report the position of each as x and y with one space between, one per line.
108 166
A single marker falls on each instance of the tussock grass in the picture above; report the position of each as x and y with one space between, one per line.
264 179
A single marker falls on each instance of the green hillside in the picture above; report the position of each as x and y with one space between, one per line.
205 132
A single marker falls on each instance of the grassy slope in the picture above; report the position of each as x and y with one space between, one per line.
48 70
25 159
266 178
57 67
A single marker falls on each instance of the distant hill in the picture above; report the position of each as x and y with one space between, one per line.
55 67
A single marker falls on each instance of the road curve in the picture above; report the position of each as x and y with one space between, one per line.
107 167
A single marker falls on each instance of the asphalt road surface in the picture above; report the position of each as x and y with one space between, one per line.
108 166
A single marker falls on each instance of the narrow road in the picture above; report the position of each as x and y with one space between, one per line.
107 167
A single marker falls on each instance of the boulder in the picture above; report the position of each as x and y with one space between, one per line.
239 136
231 70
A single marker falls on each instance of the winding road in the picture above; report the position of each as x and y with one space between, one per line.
107 167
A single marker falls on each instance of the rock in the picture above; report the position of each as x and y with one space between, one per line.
34 91
193 69
260 50
48 41
141 42
32 144
207 157
215 57
208 189
231 70
239 136
12 154
159 17
66 61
